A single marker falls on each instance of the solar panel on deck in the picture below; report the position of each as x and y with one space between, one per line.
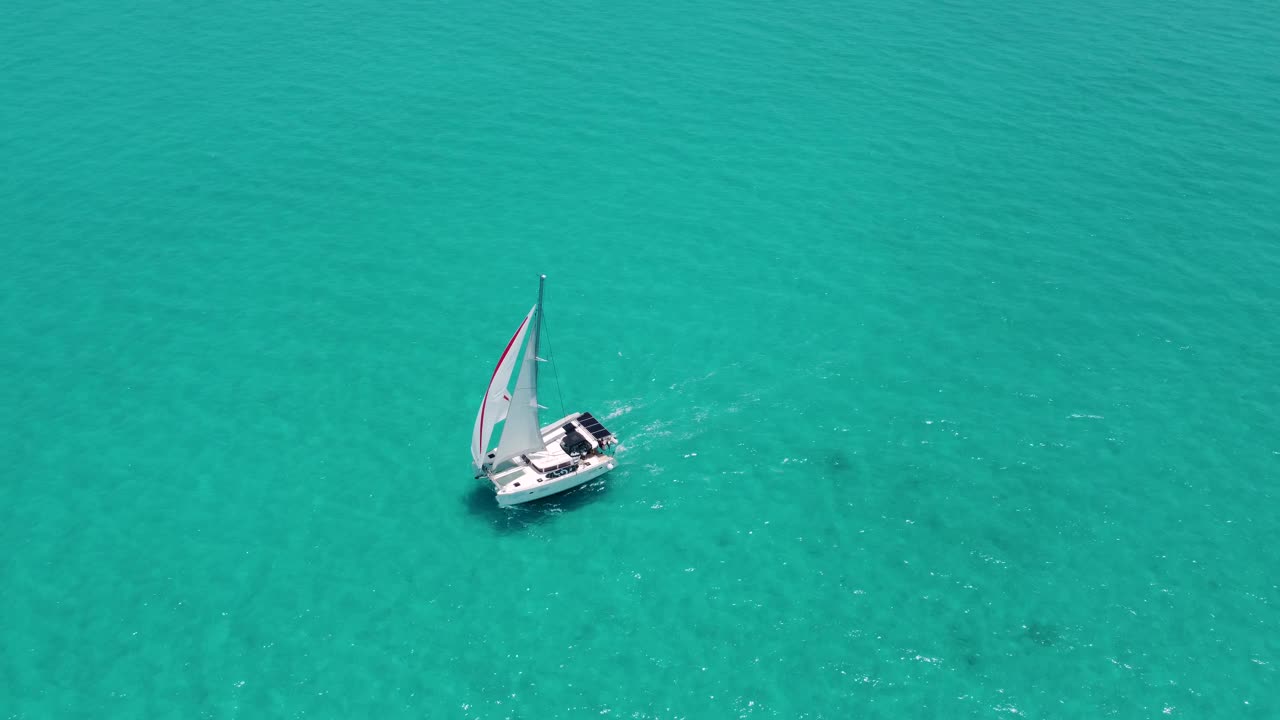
593 426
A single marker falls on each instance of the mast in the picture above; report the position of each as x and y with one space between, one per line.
537 335
531 360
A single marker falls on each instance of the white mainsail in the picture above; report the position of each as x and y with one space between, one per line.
495 405
522 432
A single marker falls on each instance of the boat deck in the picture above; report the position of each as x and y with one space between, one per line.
552 458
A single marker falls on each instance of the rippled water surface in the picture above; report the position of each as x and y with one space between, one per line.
941 338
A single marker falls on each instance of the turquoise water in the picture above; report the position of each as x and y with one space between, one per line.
941 338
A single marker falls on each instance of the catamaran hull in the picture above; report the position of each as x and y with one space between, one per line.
537 475
535 486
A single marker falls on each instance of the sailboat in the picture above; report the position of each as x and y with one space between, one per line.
524 459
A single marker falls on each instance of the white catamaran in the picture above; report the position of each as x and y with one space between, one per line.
530 461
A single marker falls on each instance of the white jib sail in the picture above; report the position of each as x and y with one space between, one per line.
495 405
521 433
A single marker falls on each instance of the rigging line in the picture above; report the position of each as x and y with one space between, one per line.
552 357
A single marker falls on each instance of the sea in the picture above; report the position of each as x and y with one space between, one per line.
941 339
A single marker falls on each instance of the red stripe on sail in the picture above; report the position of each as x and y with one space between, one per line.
485 402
